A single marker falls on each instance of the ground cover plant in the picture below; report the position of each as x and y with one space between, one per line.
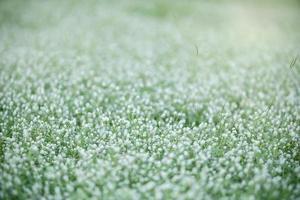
149 99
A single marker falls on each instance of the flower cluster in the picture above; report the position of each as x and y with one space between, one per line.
127 101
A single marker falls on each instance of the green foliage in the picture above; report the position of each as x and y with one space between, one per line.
149 100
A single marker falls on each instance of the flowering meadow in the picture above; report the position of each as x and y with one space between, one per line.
159 99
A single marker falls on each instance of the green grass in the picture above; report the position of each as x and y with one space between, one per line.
149 99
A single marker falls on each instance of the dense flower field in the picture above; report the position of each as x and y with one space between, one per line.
149 100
